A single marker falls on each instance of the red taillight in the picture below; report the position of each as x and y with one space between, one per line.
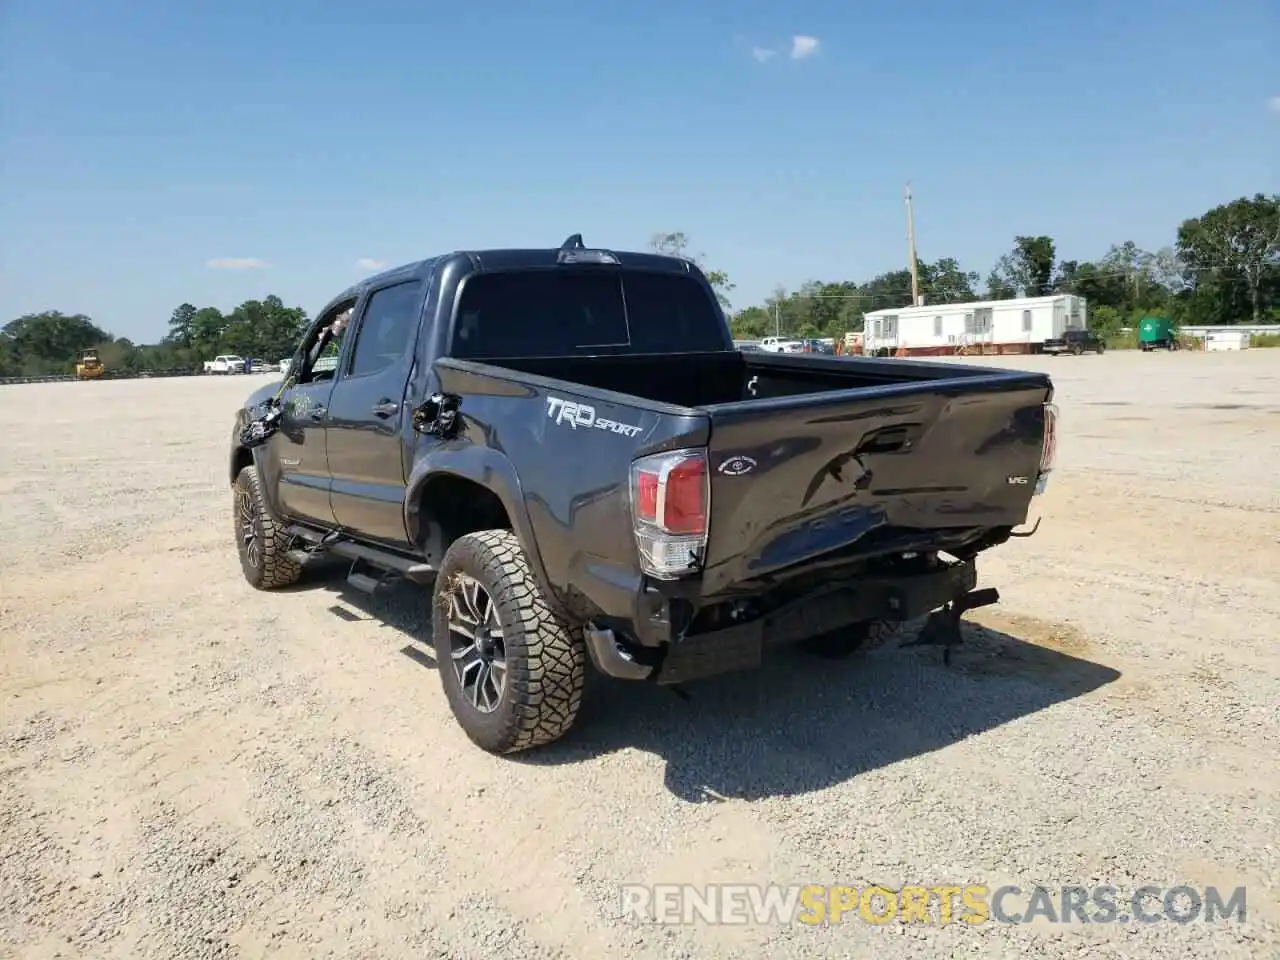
670 495
685 504
646 496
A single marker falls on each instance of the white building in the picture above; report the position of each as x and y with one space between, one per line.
989 326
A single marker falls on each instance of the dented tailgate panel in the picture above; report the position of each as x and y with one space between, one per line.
794 479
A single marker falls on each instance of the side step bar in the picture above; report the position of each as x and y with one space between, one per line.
365 583
333 543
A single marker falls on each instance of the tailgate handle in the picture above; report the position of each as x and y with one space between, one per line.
895 439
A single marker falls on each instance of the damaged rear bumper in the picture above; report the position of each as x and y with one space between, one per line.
741 647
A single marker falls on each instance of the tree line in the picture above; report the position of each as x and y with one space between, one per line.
51 342
1222 268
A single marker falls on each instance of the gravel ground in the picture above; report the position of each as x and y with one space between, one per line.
189 768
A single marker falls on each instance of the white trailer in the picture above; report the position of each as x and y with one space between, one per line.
988 326
1226 340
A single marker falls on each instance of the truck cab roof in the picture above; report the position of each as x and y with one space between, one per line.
462 262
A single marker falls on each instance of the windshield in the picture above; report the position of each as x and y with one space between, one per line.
549 313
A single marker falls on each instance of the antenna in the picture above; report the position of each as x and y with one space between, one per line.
573 251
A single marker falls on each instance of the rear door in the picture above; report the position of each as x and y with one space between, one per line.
796 477
367 416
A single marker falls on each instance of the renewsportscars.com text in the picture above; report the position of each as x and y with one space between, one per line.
817 905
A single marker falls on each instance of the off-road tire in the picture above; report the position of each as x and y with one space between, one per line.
1102 348
545 658
854 638
273 569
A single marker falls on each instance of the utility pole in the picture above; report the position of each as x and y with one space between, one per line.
911 251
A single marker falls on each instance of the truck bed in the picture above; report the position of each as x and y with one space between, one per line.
809 459
704 379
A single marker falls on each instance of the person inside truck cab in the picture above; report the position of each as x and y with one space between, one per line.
335 329
328 343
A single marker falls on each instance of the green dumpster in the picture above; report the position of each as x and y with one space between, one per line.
1157 333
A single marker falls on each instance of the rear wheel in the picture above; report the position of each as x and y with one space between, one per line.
260 539
512 670
854 638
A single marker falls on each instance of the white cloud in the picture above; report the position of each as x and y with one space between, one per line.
803 47
763 53
1274 104
368 263
235 263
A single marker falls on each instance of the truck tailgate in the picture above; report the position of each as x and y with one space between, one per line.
796 477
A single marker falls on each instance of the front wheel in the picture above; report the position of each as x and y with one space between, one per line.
260 539
512 670
853 638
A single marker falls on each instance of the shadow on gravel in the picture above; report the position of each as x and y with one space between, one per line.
403 608
798 724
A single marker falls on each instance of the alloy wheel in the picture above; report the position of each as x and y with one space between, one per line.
247 524
476 644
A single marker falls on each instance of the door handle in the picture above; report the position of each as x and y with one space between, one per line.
318 413
896 439
385 408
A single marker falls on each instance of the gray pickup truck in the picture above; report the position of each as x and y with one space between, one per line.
565 449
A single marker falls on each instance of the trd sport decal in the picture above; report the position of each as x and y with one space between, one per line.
576 415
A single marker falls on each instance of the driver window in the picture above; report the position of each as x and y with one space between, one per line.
320 355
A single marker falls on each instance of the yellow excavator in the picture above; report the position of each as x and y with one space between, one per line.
90 367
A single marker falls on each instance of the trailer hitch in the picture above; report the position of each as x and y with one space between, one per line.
942 629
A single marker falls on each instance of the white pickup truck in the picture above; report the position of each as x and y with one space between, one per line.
781 345
224 363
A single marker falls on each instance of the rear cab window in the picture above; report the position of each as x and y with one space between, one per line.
566 311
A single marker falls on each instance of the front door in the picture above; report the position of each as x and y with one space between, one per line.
298 456
299 453
368 421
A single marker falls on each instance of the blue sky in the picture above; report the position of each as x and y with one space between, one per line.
141 140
